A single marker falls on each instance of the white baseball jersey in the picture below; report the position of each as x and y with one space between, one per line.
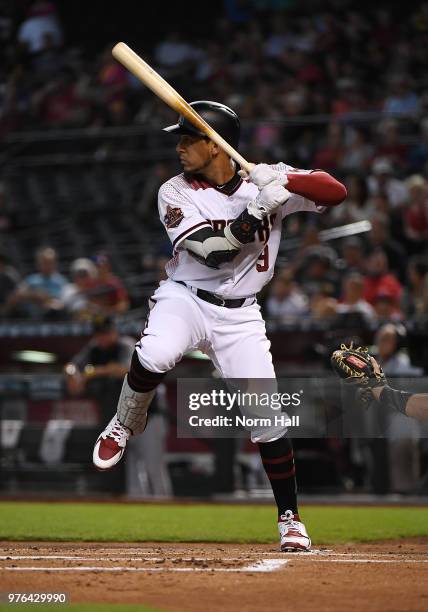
187 205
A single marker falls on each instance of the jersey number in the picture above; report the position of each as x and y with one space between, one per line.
262 264
263 233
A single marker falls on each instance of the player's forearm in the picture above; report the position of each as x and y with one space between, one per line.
215 248
210 247
414 405
318 186
417 406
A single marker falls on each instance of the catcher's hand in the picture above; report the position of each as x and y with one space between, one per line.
357 366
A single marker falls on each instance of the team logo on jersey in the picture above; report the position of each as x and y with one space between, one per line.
173 217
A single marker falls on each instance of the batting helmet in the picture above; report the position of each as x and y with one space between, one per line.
219 116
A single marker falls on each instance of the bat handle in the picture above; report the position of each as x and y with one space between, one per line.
247 166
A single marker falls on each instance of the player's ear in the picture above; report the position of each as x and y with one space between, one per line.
214 148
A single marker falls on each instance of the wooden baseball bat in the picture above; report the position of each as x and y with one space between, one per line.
139 68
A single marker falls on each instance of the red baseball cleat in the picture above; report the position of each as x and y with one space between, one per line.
111 444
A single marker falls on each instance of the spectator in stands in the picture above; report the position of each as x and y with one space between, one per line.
286 301
353 255
349 98
358 154
353 300
76 295
382 180
379 237
386 306
418 153
401 100
107 294
16 100
41 19
413 294
317 272
5 216
61 103
421 306
415 214
391 145
379 279
174 53
330 153
112 82
9 280
322 305
48 61
39 294
311 244
355 208
98 369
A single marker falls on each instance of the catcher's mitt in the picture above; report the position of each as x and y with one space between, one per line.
356 365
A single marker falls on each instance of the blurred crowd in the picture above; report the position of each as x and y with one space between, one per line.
273 64
278 68
90 291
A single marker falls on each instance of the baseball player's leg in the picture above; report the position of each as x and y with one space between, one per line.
243 352
174 326
240 347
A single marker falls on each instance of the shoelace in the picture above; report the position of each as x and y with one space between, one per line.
115 431
290 522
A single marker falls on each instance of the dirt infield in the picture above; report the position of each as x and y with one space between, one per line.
381 577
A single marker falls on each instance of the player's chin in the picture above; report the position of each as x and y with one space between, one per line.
187 167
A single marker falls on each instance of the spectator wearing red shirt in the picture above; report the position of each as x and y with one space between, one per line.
60 103
112 79
330 153
379 281
108 291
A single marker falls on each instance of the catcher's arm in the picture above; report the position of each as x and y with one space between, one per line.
357 366
413 405
417 406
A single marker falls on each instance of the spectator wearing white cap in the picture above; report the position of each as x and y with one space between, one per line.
42 19
382 181
75 295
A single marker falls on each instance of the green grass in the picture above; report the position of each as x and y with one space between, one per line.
92 607
200 522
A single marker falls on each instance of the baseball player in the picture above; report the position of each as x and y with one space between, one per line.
225 229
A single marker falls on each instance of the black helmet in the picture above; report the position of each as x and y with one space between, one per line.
219 116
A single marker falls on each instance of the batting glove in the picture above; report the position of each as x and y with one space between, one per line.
269 199
263 174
